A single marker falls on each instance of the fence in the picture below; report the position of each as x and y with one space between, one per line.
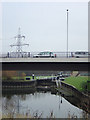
31 54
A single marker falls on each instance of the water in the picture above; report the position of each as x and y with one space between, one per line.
42 103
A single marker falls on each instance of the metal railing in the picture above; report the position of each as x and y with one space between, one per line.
31 54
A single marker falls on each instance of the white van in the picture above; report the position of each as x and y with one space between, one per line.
81 54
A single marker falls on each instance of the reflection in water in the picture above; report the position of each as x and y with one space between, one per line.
40 104
60 101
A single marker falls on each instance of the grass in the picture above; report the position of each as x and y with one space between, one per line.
19 78
24 78
79 82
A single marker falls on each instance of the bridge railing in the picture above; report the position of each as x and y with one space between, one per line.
31 54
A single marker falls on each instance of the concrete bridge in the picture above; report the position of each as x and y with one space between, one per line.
64 64
72 59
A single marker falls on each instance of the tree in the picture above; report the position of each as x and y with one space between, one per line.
23 74
9 74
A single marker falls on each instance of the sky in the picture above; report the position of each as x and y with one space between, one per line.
44 25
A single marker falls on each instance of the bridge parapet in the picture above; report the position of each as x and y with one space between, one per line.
55 54
44 60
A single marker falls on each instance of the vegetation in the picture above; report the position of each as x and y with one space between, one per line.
82 83
15 76
7 75
19 76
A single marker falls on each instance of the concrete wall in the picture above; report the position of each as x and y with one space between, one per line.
19 84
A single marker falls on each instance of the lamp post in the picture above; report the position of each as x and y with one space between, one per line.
67 33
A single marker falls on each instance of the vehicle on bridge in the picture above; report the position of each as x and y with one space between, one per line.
81 54
46 54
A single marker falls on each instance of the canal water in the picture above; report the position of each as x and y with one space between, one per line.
42 104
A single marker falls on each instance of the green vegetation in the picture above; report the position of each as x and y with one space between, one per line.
82 83
24 78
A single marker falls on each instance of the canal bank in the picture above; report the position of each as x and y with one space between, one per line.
67 90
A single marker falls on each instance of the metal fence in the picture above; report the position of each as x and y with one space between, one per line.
31 54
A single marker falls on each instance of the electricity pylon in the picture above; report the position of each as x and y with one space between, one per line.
19 43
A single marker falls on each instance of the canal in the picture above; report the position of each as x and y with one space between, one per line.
41 104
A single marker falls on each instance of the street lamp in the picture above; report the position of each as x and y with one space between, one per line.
67 33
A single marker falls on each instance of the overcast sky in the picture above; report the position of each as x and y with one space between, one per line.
44 25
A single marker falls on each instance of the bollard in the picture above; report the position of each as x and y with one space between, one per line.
33 76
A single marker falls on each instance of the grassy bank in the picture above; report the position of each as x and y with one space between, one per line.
80 82
26 78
